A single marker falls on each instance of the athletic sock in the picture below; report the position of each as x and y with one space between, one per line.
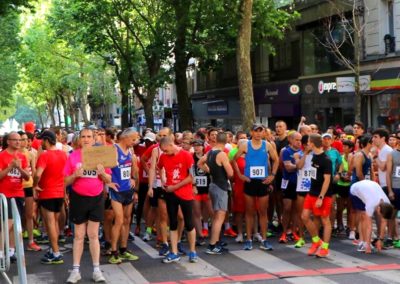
75 268
96 267
122 250
325 245
315 239
114 253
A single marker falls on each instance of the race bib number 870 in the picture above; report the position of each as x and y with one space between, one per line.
257 172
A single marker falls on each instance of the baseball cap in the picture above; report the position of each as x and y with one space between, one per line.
257 126
198 142
47 134
327 135
150 136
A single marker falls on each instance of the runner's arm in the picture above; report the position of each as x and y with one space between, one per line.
226 164
202 163
325 185
153 165
274 158
389 170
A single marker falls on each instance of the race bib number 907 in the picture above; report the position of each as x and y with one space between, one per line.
257 172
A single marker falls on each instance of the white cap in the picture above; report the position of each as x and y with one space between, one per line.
327 135
150 136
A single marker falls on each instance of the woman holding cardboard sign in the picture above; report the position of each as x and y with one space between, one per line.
86 205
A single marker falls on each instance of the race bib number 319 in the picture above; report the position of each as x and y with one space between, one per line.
257 172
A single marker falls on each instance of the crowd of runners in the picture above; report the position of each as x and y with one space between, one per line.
301 186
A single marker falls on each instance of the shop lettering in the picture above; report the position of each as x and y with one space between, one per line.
322 87
269 93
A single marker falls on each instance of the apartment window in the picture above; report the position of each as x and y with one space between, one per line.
283 57
390 17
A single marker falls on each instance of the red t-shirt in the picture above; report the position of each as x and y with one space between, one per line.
143 176
338 145
11 184
177 169
52 179
36 143
140 150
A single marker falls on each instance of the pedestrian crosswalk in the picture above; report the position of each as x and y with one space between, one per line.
285 264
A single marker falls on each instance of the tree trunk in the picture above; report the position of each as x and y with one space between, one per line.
51 112
181 63
40 117
244 65
65 108
148 111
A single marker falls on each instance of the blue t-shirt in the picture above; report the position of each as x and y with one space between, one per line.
335 158
287 155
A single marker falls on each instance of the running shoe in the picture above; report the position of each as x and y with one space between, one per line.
171 257
396 243
146 237
13 258
128 255
230 233
248 245
355 242
352 235
215 249
33 247
25 234
42 240
131 237
201 241
115 260
239 238
181 249
283 239
270 234
265 245
323 253
257 237
52 259
204 232
300 243
222 243
295 237
361 247
314 248
388 244
164 250
193 257
74 277
98 277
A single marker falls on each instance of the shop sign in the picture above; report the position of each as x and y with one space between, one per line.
217 108
271 93
294 89
347 84
322 87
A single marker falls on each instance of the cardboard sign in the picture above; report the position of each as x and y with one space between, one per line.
103 155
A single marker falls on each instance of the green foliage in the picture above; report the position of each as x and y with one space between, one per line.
10 6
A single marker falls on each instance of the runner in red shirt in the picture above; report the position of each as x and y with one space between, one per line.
177 165
13 169
49 189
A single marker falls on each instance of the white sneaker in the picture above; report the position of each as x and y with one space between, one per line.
361 247
352 235
239 238
98 277
146 237
257 237
74 277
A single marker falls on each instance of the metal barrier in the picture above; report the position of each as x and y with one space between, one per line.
5 242
19 243
4 239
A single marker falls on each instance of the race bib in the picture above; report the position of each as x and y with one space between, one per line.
397 172
15 173
125 173
201 181
89 174
284 183
257 172
313 173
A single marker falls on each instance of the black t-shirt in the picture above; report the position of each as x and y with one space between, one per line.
202 179
280 144
322 165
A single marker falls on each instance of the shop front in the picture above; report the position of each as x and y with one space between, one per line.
278 101
384 98
324 105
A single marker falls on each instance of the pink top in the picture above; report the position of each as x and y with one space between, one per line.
90 183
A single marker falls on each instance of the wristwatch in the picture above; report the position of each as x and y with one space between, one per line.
321 197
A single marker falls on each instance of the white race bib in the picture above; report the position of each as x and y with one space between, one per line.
125 173
313 173
89 174
397 172
201 181
284 183
15 173
257 172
